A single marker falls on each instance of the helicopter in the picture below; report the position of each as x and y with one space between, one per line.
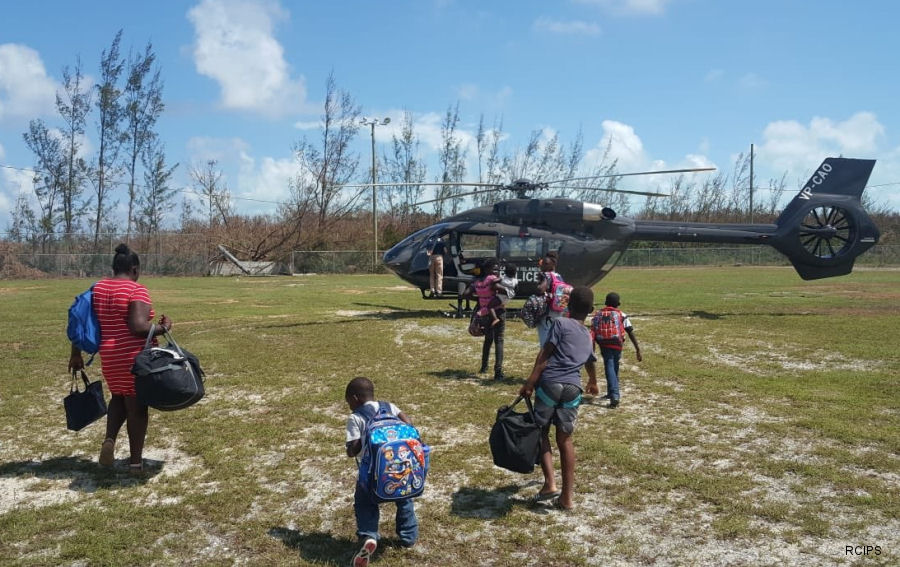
821 232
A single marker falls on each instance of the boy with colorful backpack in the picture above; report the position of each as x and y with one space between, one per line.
393 463
608 328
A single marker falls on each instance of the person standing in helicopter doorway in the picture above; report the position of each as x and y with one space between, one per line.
436 267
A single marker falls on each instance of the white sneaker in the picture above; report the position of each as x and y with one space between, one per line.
361 559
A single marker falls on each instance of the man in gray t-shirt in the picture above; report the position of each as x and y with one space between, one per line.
556 382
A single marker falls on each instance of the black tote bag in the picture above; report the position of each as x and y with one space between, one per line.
84 408
515 438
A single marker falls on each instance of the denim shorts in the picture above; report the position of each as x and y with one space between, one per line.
557 403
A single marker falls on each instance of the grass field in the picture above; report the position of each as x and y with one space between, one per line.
762 428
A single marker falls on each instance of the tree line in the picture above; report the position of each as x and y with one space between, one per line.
80 195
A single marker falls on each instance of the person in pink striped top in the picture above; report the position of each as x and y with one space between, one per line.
125 313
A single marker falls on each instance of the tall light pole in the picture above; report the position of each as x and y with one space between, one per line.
373 122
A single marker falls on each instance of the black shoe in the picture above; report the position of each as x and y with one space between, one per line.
483 369
613 404
606 397
498 375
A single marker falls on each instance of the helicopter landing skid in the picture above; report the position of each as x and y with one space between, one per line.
458 312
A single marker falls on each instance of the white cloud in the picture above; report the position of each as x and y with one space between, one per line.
790 145
504 94
428 129
624 145
256 185
467 91
752 81
631 7
259 185
224 150
714 75
572 27
235 46
627 147
14 182
25 89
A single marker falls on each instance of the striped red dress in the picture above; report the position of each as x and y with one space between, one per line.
118 347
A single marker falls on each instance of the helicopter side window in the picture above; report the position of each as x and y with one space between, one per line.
554 244
520 248
477 247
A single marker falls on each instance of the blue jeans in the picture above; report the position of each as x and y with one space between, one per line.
611 359
367 515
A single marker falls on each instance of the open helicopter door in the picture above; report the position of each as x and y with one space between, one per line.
523 250
468 250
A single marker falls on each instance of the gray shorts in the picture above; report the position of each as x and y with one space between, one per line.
557 403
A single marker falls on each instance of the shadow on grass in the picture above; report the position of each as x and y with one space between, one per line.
86 474
486 504
316 547
483 379
706 315
738 315
395 314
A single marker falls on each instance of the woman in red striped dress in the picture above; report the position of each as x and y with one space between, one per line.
125 313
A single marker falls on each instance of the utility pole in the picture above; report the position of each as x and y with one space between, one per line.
751 183
372 122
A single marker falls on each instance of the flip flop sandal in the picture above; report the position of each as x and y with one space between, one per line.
107 452
557 505
544 496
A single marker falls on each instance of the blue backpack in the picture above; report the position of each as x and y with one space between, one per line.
394 460
83 328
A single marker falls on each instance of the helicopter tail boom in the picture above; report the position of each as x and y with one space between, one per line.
821 231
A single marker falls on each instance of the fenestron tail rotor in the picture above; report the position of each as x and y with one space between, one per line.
827 231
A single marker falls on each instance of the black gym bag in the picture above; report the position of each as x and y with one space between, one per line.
167 378
516 438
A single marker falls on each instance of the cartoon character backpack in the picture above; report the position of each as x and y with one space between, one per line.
608 327
394 460
534 310
559 294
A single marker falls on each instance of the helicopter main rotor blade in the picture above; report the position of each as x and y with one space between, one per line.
469 194
691 170
436 184
610 190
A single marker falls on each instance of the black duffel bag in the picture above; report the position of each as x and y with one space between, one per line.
167 378
516 438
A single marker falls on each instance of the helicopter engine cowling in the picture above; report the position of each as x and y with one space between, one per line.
554 214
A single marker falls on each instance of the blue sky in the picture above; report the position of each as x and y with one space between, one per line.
673 83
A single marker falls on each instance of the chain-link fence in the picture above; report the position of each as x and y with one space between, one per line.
191 257
88 256
359 261
739 255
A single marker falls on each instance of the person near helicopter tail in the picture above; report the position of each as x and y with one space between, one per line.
436 267
548 279
484 289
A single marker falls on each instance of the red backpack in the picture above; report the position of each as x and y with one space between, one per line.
608 328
